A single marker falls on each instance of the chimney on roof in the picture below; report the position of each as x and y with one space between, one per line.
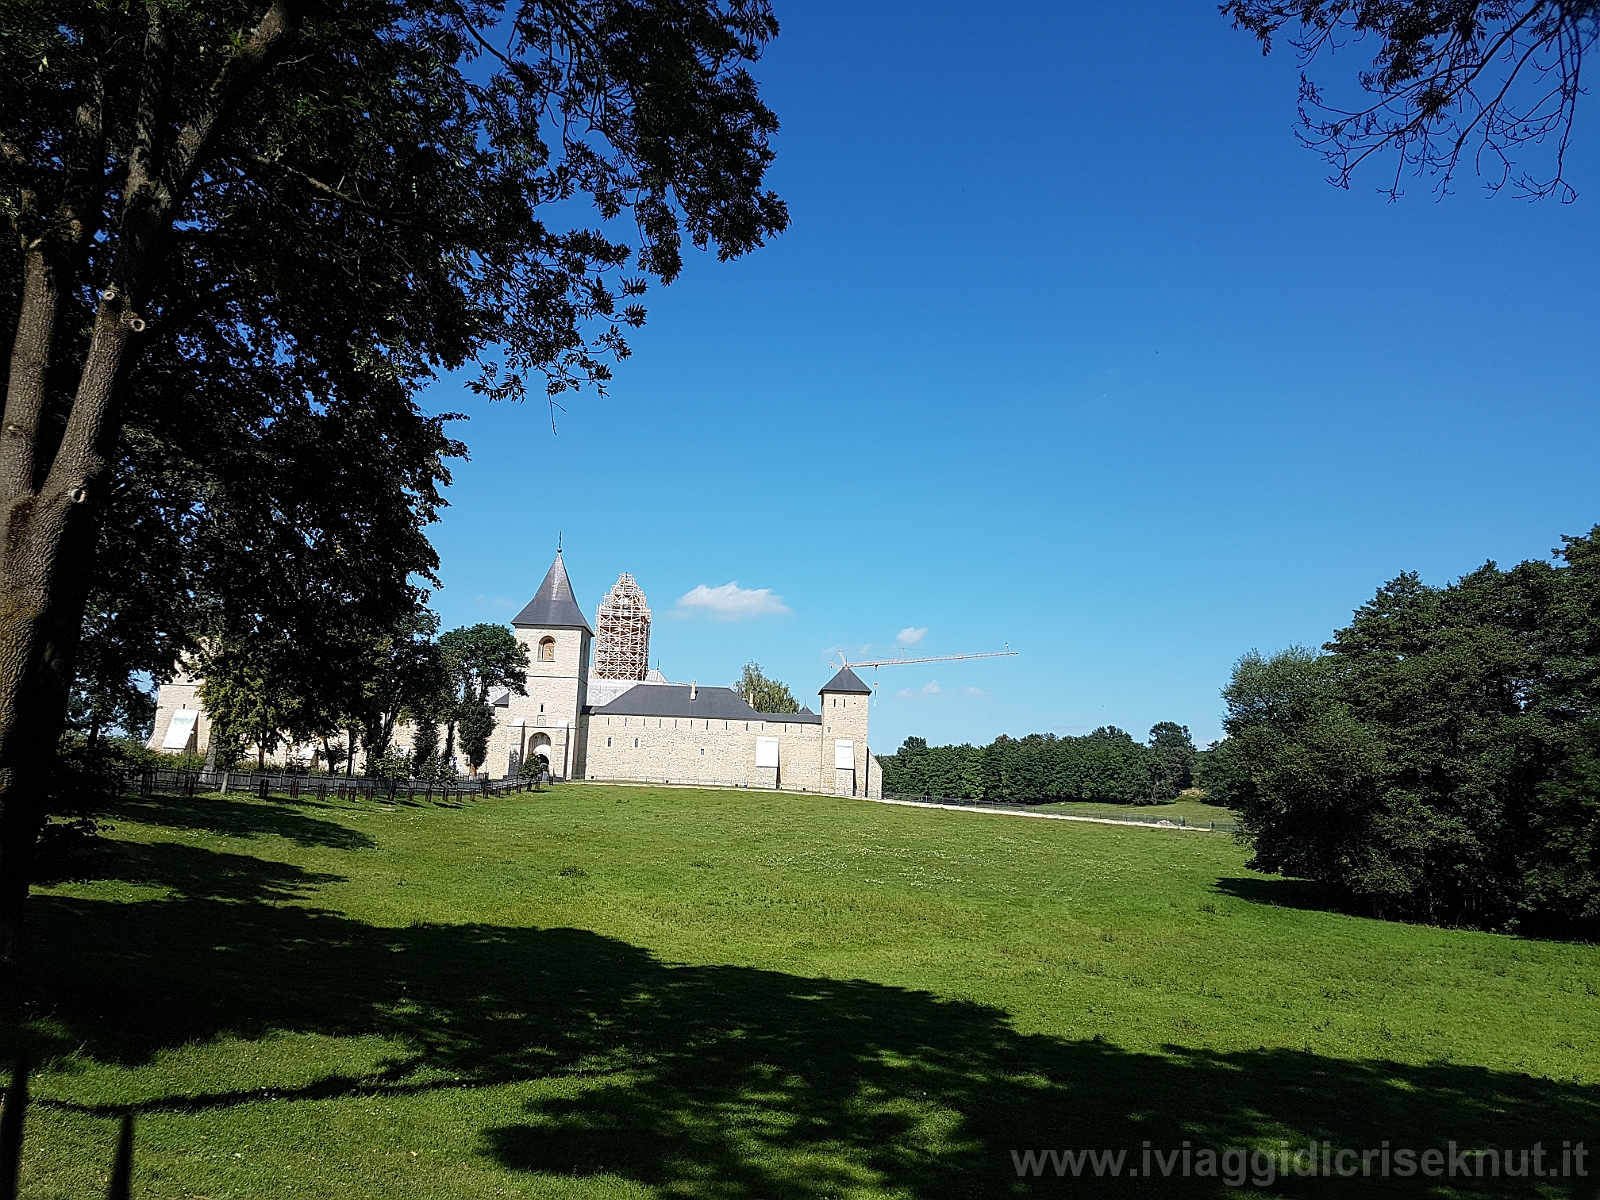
694 689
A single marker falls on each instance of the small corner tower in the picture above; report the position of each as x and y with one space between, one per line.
847 764
544 723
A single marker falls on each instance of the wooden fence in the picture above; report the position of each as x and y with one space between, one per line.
191 783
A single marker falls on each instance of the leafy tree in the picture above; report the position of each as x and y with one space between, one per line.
763 694
424 749
390 767
273 693
249 701
406 676
142 603
476 725
333 753
1437 762
1174 755
481 658
477 659
106 695
186 363
1449 78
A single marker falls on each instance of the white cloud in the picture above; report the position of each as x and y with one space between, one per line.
974 691
911 635
931 688
730 602
903 693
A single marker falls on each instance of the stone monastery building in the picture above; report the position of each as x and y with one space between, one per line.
594 711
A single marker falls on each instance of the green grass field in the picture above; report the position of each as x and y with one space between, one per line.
631 992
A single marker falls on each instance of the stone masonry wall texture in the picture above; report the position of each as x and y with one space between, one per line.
695 750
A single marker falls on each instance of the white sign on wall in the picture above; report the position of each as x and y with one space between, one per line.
182 726
766 752
844 755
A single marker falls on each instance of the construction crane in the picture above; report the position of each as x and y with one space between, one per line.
875 663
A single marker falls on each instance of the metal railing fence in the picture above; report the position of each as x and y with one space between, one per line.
1146 815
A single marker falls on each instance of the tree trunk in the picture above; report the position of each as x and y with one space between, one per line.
42 592
47 523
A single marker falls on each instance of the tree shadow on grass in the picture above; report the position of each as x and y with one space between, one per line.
712 1082
1279 892
196 873
242 816
1311 896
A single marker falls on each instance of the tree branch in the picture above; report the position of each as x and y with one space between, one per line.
154 195
151 118
238 76
405 220
50 258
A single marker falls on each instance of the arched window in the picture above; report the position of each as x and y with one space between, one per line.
547 649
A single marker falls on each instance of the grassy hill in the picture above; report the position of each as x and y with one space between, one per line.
631 992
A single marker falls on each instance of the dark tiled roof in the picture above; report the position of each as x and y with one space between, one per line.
713 703
553 606
846 681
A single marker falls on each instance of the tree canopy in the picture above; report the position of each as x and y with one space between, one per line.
406 676
478 659
1438 760
245 232
763 694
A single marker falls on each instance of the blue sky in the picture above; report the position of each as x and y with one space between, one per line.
1070 346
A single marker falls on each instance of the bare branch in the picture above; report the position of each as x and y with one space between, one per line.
1429 104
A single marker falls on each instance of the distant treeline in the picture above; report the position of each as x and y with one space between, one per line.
1107 765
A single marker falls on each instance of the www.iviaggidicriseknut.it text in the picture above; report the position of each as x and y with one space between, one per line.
1263 1165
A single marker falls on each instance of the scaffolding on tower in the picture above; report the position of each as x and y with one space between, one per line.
622 632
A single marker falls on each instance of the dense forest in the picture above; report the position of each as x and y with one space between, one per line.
1106 765
1439 759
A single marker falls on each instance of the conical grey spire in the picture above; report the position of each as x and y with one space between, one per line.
553 606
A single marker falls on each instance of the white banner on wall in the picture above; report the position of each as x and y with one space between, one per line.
844 755
766 752
182 726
